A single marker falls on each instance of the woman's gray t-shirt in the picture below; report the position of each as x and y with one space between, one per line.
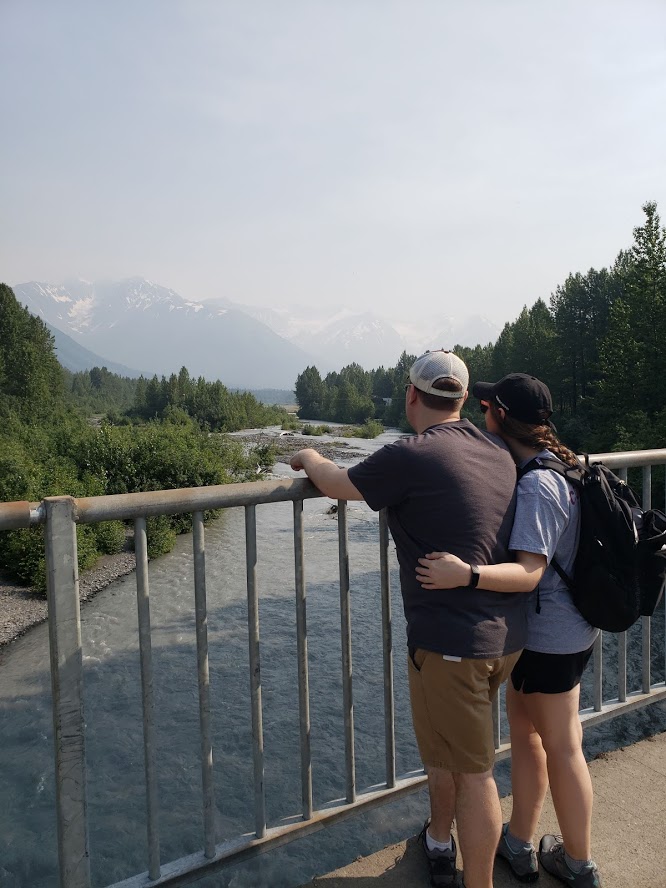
547 522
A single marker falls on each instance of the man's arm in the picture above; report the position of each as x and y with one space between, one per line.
324 474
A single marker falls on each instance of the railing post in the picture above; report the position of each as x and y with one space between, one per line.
147 696
62 589
345 632
203 677
255 671
302 654
598 661
646 680
387 650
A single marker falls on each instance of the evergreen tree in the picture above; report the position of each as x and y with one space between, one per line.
31 379
633 346
310 394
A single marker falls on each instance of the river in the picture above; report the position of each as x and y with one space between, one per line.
116 799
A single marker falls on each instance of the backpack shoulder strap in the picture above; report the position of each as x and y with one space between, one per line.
574 474
563 575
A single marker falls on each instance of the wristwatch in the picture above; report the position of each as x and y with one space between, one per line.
474 579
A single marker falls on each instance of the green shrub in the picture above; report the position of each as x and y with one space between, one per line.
161 536
86 546
75 459
23 552
315 430
109 536
369 429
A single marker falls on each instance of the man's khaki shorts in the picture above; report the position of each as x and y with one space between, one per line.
452 709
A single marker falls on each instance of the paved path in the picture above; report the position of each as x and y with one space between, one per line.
629 831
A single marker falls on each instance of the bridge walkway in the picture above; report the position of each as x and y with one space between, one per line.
629 831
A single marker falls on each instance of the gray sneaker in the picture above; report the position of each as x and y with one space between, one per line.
523 864
551 855
442 864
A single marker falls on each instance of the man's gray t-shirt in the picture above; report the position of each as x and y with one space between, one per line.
547 523
450 489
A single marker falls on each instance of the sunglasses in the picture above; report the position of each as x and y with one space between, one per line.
484 407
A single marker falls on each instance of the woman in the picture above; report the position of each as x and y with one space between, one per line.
544 690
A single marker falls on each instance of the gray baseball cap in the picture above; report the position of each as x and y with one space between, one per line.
436 365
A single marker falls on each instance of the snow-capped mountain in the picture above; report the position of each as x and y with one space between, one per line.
365 339
471 331
138 323
341 336
337 337
142 324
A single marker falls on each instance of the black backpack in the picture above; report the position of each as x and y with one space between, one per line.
621 560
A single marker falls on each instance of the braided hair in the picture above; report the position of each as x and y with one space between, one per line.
540 437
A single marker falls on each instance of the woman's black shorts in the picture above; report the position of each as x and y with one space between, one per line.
537 673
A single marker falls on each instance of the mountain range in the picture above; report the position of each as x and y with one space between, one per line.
135 323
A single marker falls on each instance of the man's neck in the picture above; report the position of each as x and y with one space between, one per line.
433 418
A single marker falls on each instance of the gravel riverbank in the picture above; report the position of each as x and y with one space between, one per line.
291 442
21 608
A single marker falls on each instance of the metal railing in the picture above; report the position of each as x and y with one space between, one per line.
60 515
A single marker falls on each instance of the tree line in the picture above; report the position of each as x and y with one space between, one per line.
124 400
599 343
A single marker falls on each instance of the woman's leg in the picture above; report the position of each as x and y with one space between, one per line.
529 775
555 717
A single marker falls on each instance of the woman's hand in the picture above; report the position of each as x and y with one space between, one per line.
441 570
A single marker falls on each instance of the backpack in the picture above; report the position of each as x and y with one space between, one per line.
620 564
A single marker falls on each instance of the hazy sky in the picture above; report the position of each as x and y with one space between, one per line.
406 156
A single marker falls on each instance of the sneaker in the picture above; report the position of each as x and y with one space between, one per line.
442 864
551 855
523 863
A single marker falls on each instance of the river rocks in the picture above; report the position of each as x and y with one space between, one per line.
286 445
21 608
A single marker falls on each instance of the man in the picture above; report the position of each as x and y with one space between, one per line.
449 487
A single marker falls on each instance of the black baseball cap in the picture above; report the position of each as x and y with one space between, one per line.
523 397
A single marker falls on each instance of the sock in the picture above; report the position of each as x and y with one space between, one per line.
517 845
434 845
576 865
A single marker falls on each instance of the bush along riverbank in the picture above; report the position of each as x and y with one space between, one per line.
24 606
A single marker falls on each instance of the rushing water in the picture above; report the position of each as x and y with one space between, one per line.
116 797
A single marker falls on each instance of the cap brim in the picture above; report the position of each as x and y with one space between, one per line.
483 390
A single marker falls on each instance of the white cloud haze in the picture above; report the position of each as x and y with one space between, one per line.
404 156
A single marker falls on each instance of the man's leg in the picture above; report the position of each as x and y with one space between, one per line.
452 714
442 790
479 821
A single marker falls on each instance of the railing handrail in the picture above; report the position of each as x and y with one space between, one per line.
125 506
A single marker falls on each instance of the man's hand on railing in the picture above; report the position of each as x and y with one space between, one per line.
299 460
332 480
